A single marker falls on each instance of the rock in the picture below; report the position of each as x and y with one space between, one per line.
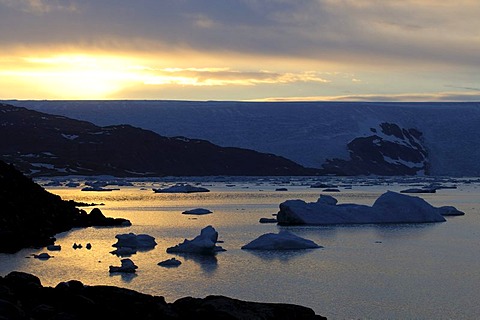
390 207
31 216
127 266
28 299
284 240
389 151
219 307
205 243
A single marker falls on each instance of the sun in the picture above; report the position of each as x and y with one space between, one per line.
74 76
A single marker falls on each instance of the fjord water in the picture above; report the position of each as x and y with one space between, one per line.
420 271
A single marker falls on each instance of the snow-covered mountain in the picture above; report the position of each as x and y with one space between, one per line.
309 133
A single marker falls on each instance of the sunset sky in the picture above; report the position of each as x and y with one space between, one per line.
375 50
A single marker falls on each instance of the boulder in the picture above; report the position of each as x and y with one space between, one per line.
28 299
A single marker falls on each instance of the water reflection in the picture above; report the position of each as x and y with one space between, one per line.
208 263
280 255
125 276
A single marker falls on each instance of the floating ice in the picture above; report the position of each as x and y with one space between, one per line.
181 188
127 266
170 263
198 211
284 240
390 207
205 243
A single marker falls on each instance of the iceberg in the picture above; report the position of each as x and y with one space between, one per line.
170 263
390 207
205 243
127 266
198 211
284 240
131 240
181 188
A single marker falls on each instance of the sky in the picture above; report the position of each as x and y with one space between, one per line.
263 50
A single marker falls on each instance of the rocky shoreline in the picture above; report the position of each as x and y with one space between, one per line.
22 296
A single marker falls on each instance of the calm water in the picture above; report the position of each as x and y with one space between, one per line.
363 272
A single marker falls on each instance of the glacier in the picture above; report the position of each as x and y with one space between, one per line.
308 133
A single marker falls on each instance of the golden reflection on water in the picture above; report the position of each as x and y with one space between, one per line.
392 271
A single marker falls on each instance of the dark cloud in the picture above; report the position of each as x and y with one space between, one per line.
345 31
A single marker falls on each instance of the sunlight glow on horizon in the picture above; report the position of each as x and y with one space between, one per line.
97 76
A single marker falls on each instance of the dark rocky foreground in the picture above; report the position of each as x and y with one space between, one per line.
22 296
30 216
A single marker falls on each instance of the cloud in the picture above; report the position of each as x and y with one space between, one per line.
345 31
225 76
39 6
404 97
295 45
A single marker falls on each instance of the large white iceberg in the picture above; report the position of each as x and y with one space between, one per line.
205 243
284 240
390 207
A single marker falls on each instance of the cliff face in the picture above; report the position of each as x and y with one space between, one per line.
41 144
31 216
389 150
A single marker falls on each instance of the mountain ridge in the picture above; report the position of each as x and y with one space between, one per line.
308 133
42 144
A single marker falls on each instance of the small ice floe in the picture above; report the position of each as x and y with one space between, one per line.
98 189
205 243
127 266
181 188
54 247
267 220
131 240
42 256
284 240
419 190
390 207
331 190
322 185
197 211
170 263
